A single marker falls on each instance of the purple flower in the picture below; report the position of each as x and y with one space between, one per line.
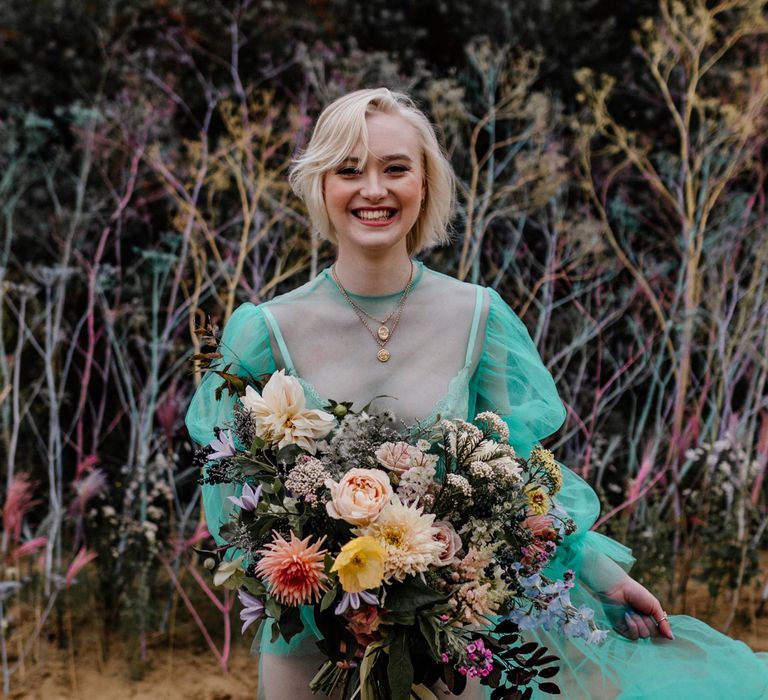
253 609
249 499
223 445
352 600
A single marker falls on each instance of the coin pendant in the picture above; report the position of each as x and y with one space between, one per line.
383 332
383 355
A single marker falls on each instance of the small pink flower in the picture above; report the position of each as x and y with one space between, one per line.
539 525
395 456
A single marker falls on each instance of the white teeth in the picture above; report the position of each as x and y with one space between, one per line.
374 215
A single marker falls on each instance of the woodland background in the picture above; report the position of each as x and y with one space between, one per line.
612 166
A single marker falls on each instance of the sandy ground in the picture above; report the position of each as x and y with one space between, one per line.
182 674
190 672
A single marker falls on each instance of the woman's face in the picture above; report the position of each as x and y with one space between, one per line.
373 208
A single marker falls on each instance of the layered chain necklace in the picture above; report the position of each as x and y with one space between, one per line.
384 332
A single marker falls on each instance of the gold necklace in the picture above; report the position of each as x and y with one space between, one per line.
384 333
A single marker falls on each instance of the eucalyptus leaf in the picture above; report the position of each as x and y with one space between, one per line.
273 608
407 619
367 407
423 693
328 598
290 623
431 634
257 444
254 586
550 688
275 632
400 668
411 595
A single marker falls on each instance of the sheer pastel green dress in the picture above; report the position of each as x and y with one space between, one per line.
459 350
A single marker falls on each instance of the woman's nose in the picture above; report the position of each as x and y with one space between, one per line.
373 188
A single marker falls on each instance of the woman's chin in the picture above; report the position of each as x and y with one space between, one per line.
372 238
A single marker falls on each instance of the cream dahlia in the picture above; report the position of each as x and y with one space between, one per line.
281 417
408 537
293 570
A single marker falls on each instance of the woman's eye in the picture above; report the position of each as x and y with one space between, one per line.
349 170
397 169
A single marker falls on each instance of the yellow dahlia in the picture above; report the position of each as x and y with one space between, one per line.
293 570
360 564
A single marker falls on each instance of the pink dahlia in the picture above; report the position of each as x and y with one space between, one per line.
293 570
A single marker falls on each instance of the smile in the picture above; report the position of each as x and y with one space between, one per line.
374 214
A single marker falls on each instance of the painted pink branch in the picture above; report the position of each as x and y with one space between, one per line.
93 269
220 606
762 458
645 469
198 621
629 502
82 558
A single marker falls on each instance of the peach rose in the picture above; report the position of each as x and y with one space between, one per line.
359 496
450 540
396 456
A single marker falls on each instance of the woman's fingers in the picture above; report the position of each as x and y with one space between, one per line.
650 626
646 617
640 625
633 632
659 618
647 604
664 627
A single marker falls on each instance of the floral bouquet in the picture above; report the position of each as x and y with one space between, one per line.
417 554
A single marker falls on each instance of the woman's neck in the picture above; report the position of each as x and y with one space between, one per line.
373 275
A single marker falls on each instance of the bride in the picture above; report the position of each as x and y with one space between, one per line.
377 323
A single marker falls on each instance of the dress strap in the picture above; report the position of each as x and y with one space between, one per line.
270 319
475 324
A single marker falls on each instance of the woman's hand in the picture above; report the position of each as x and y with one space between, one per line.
646 619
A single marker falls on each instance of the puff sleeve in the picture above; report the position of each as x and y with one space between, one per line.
245 346
512 380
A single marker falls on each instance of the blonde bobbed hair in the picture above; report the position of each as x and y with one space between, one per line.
339 128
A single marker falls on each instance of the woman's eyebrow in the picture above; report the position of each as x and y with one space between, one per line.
352 160
396 156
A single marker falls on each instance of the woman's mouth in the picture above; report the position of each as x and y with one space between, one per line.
374 216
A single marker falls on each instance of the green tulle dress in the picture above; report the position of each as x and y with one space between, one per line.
467 354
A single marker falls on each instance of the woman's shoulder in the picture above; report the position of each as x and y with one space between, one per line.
448 284
454 293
